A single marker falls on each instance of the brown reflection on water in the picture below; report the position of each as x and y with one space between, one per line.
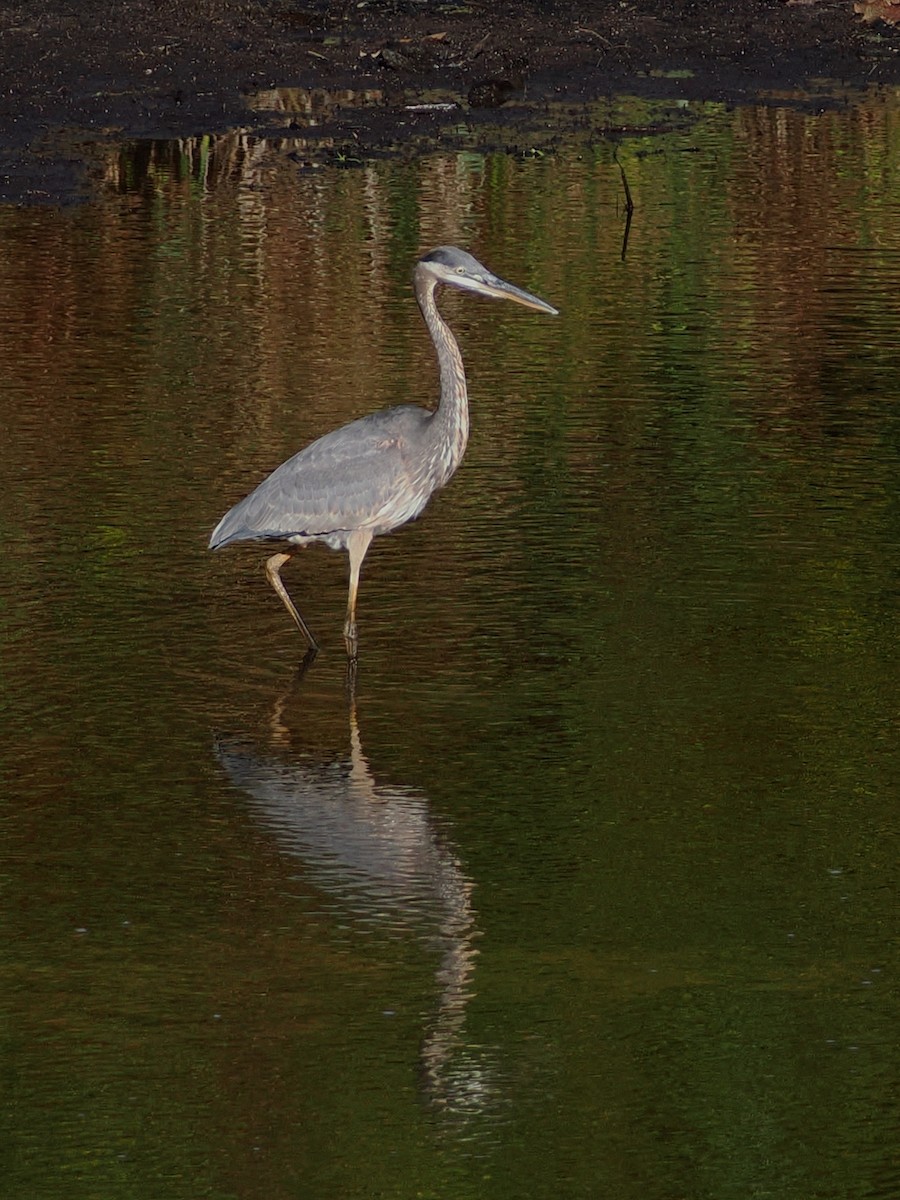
810 201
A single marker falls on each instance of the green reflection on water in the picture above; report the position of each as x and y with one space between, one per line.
628 694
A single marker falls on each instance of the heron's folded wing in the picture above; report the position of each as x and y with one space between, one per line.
348 479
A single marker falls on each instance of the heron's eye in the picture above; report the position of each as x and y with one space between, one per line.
460 270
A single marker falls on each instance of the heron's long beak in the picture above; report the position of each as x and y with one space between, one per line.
499 289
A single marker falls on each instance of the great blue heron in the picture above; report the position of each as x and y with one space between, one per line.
376 473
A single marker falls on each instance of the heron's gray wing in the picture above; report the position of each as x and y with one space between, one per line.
354 477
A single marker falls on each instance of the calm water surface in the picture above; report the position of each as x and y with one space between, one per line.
592 889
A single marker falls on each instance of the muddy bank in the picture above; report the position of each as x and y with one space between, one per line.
381 76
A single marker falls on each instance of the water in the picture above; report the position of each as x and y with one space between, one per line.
590 892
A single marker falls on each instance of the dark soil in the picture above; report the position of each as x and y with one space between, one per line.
78 72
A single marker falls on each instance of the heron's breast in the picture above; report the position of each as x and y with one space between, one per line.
403 507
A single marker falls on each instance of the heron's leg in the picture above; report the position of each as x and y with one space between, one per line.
352 676
273 574
357 545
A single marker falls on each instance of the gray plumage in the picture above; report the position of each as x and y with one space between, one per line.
378 472
379 484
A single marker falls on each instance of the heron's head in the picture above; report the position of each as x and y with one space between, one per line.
455 268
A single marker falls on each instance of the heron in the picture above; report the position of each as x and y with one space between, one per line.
376 473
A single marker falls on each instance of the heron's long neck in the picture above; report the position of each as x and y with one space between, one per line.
451 421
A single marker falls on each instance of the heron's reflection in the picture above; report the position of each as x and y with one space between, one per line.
374 847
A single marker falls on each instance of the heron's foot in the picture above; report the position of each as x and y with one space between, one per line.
351 638
307 661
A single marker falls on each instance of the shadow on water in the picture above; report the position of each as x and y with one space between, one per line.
375 848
